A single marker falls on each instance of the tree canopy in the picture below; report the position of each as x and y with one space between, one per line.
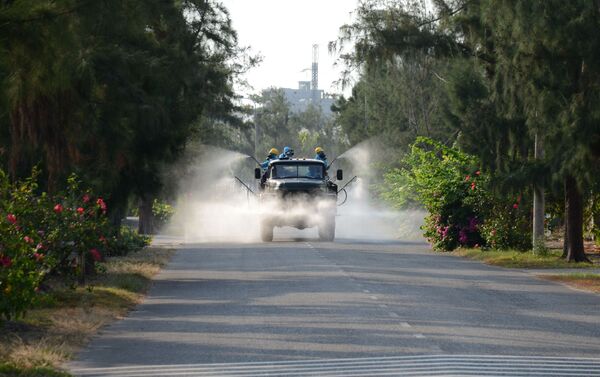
508 72
111 89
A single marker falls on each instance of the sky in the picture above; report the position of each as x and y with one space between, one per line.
283 32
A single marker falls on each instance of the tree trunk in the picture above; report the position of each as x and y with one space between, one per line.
146 219
574 210
538 219
538 205
566 233
566 224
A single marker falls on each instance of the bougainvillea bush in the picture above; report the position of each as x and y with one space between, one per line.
463 211
43 235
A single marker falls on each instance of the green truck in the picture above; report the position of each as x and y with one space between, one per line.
297 193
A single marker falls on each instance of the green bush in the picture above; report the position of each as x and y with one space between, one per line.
126 241
507 227
463 211
162 212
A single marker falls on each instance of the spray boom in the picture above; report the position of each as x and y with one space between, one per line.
254 158
245 185
331 164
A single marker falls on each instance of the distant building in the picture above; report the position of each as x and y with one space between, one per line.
300 98
308 92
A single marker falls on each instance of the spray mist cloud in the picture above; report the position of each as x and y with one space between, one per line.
212 206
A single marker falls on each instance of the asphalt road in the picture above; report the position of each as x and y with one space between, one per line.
349 308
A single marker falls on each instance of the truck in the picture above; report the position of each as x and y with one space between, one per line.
297 193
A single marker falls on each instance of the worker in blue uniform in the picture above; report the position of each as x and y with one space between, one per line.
272 156
320 155
287 153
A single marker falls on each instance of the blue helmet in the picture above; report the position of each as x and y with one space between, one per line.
287 150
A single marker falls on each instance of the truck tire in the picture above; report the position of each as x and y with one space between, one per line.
327 230
266 232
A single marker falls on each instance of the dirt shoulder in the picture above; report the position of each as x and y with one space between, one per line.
65 318
584 281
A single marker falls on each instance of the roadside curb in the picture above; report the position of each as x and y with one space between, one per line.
560 271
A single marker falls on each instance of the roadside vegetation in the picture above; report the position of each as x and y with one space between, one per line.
63 318
114 91
488 113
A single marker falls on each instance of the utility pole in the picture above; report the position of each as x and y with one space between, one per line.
315 74
255 131
538 203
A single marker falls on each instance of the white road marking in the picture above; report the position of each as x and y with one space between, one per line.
383 306
419 336
366 291
456 365
373 297
392 314
405 324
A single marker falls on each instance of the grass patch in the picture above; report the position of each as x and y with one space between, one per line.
519 259
65 318
588 282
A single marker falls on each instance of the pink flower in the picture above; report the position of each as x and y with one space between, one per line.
38 257
96 255
101 204
462 237
86 198
103 239
39 246
28 239
515 206
5 261
473 185
58 208
472 224
41 233
477 172
80 210
445 231
11 218
467 178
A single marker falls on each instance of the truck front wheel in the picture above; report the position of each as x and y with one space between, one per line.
327 230
266 231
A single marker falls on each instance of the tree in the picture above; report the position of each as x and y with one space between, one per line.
523 70
272 118
112 89
397 101
551 72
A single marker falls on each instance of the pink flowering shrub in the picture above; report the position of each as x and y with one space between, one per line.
43 235
463 210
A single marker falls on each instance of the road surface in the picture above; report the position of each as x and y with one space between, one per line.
349 308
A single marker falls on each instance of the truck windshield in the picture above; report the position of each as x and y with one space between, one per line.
314 171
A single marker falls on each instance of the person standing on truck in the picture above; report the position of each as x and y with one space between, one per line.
272 156
287 153
321 156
